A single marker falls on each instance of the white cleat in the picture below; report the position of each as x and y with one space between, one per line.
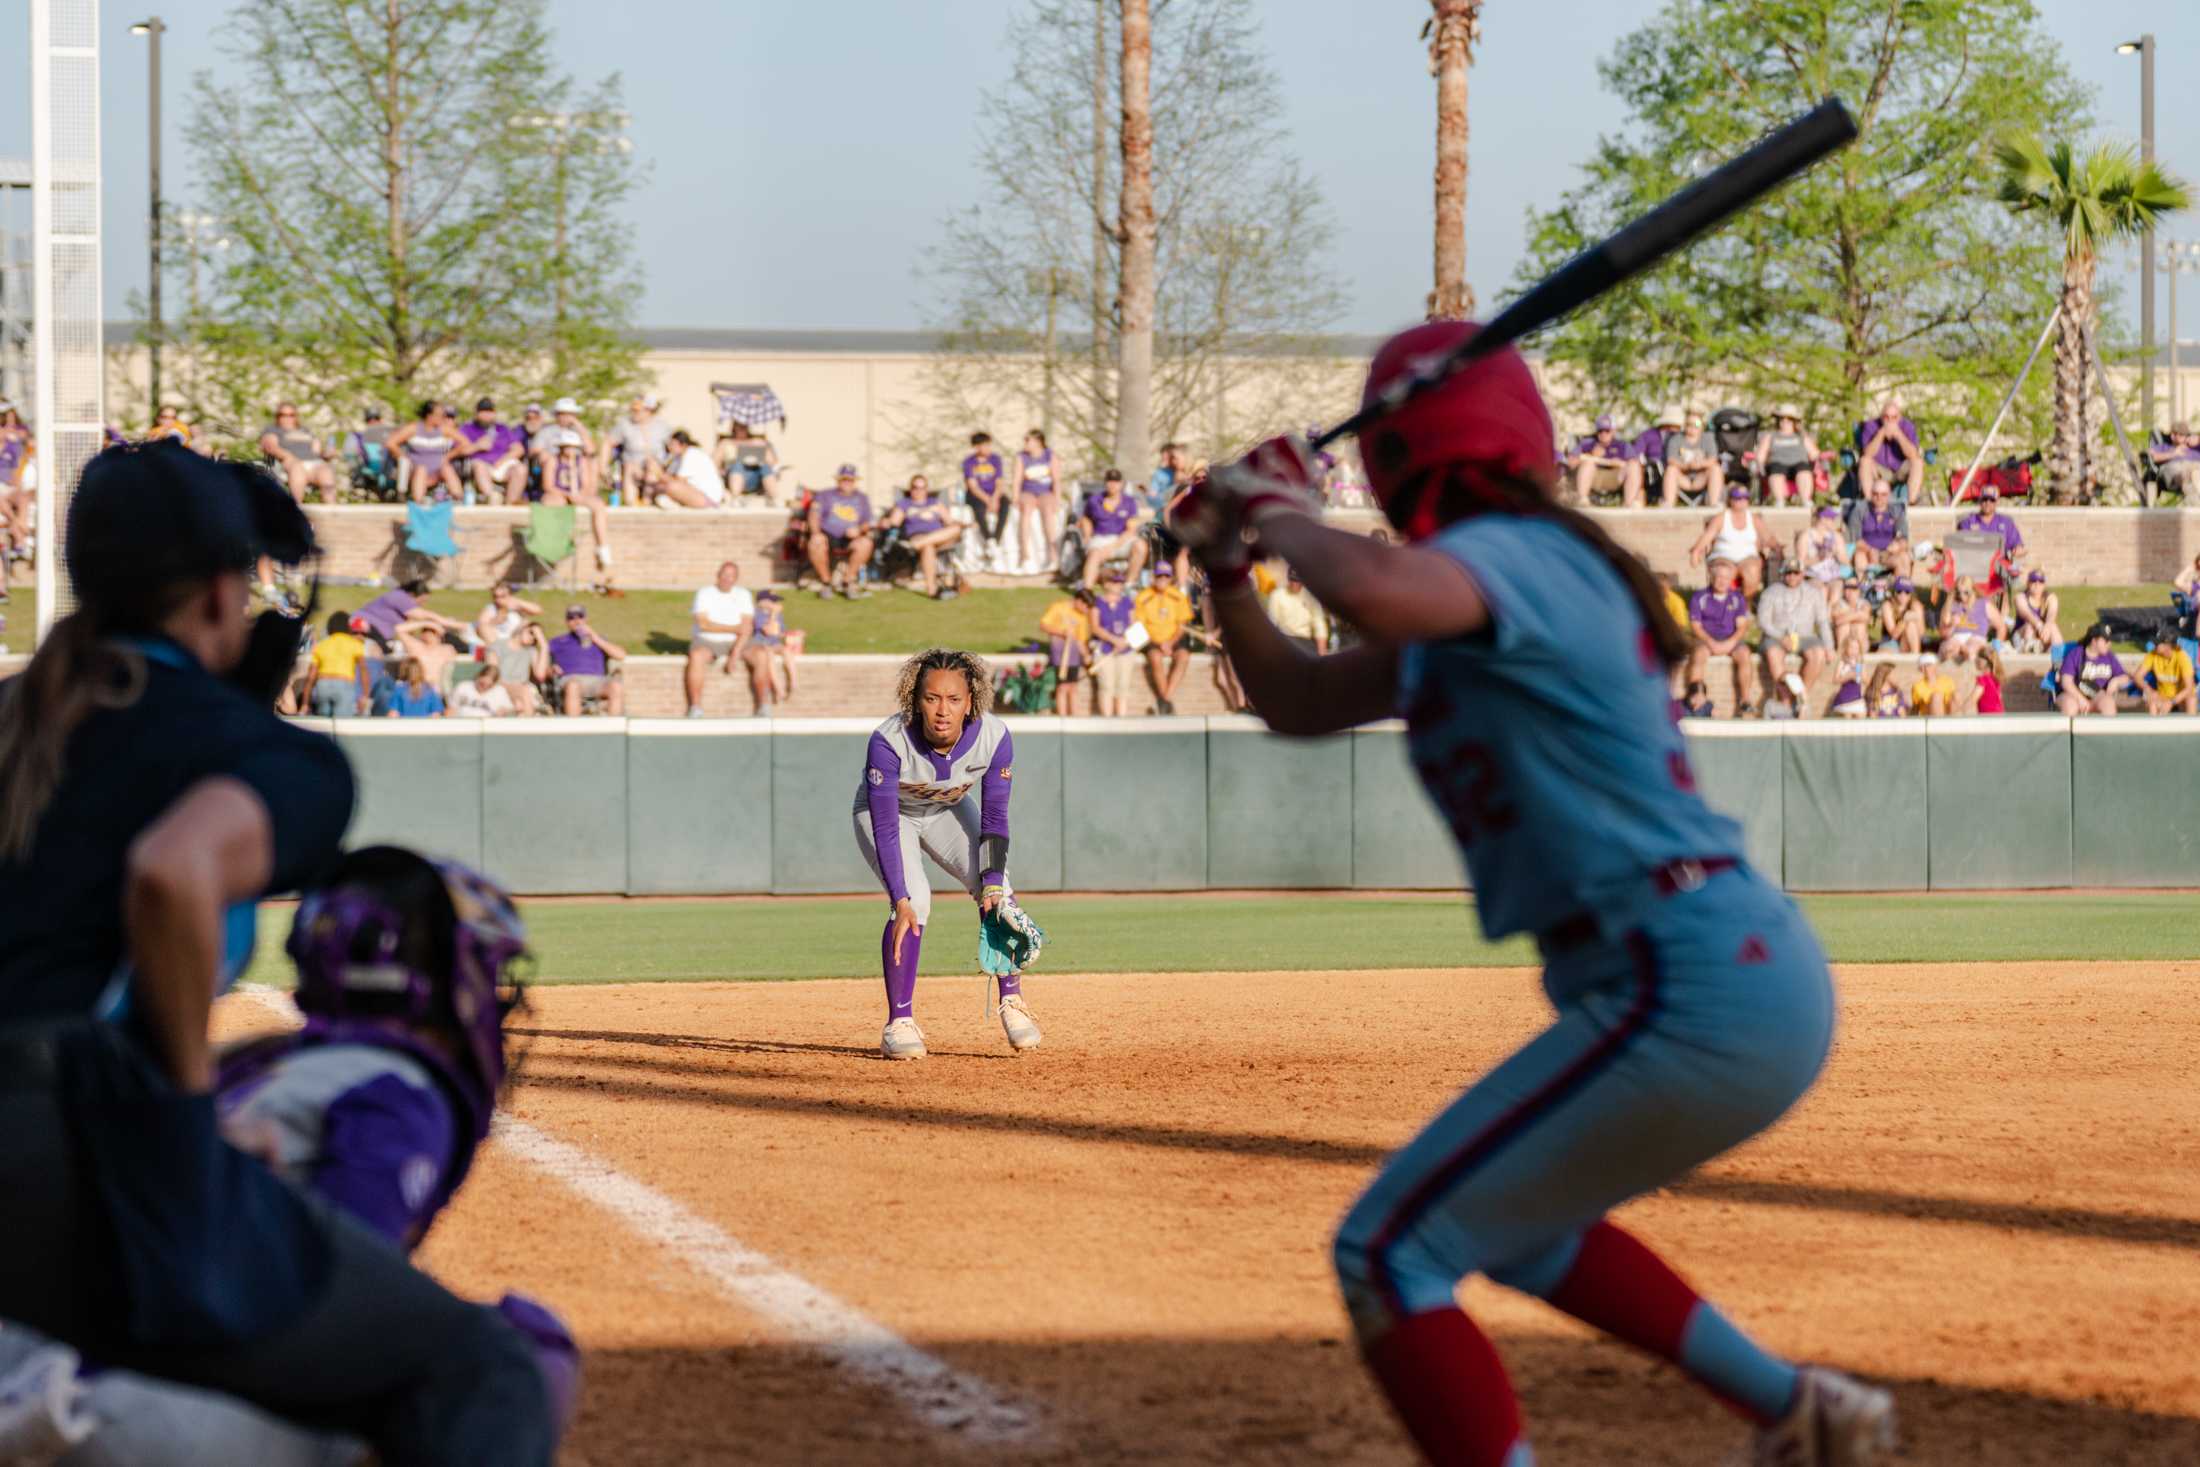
1016 1022
42 1413
1836 1422
902 1040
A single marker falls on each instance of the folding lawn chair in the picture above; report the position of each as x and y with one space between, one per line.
547 540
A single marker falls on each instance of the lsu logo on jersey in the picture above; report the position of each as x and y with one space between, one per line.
935 794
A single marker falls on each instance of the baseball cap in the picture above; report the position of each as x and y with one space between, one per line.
1115 575
1902 583
532 410
1792 568
1112 476
157 513
1829 512
1737 492
2037 577
652 401
1164 569
1989 492
565 405
1927 659
767 594
1604 420
567 438
486 405
2098 629
373 415
1670 417
2180 427
845 471
575 612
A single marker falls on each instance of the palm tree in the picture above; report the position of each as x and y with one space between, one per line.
2096 199
1451 33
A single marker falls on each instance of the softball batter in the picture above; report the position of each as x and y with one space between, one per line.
921 764
1528 655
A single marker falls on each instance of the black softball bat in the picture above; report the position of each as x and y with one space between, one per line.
1707 202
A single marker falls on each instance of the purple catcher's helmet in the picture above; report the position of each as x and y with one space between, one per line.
364 959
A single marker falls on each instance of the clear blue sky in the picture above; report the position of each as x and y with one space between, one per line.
856 123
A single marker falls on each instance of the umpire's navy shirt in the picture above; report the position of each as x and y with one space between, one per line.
61 927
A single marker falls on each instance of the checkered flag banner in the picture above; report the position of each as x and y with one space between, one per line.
751 404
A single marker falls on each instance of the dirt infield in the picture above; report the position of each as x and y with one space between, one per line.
1990 1203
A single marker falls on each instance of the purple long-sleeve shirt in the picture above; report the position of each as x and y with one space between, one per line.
904 777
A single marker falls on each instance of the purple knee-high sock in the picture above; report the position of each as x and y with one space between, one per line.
901 977
1011 984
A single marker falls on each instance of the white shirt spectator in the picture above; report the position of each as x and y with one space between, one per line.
726 608
470 701
694 466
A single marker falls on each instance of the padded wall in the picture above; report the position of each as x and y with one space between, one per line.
1134 804
553 804
419 785
1279 811
1744 777
1398 840
1853 808
1035 805
698 816
1998 803
817 766
2135 802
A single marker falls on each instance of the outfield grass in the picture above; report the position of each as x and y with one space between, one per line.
674 941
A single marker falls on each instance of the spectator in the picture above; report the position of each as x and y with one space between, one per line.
569 477
1789 456
1887 452
368 448
1883 699
401 606
483 696
1737 536
1210 636
687 479
1166 613
1986 690
2184 591
985 490
1784 699
1603 462
748 461
1692 463
501 620
1970 623
1675 605
725 617
1110 523
1848 698
1796 624
296 456
2165 678
1852 623
1038 505
921 516
2038 612
1697 701
523 669
1651 445
168 423
496 455
16 499
1298 615
2178 460
566 419
1988 519
1168 476
1114 660
1067 626
582 659
414 696
533 432
1822 552
1879 533
427 646
2090 676
429 450
332 674
840 533
1719 616
1933 693
776 648
1902 620
633 450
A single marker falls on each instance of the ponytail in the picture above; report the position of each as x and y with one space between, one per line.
1459 495
74 672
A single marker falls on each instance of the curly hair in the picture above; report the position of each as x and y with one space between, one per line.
947 659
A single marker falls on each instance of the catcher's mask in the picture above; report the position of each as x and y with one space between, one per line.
149 515
1446 452
393 938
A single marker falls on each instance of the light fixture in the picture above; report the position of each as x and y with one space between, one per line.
142 28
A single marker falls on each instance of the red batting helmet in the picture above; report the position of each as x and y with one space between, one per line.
1440 454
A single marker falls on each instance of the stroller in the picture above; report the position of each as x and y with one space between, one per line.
1736 430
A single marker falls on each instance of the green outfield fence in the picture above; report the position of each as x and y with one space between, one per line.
654 807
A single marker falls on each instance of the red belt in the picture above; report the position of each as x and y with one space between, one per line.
1671 879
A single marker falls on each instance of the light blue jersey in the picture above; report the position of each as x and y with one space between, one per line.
1547 741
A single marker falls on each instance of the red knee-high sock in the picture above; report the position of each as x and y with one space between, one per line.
1448 1386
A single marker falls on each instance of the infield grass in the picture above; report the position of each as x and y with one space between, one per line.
755 939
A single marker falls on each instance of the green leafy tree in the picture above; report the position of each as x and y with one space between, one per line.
1890 266
2093 199
412 205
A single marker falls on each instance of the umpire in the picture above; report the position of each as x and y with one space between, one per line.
148 797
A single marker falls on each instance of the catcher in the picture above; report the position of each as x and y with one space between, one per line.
942 739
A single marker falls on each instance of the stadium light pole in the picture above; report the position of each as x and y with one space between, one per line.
2144 46
152 29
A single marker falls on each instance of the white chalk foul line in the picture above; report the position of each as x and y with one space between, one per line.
933 1391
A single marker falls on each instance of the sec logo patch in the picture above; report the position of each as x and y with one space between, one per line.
1008 771
874 776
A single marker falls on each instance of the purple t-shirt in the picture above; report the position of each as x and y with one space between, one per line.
1650 443
1106 521
2087 673
2000 525
1886 455
385 611
921 518
841 515
1877 528
1113 616
577 657
984 470
1618 448
488 441
1718 615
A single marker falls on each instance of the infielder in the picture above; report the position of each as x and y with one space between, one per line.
376 1106
911 802
1528 655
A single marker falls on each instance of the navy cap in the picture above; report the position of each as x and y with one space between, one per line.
151 514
